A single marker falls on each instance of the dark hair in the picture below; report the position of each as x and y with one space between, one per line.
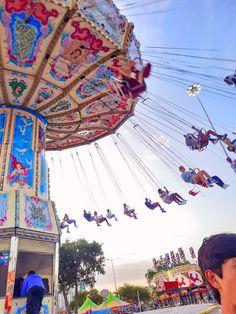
214 251
32 272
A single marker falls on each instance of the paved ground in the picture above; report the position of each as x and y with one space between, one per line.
187 309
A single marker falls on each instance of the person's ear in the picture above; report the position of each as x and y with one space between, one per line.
213 279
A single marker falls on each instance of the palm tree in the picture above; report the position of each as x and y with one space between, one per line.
150 275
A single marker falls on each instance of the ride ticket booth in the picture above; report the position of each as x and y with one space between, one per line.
29 230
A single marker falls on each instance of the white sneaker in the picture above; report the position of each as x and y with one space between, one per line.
184 202
225 186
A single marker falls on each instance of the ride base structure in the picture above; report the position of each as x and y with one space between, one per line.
59 61
29 232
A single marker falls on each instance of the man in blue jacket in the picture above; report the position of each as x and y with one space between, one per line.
34 289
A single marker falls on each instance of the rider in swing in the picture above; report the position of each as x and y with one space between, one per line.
168 197
231 79
131 79
152 205
100 219
129 211
201 177
203 138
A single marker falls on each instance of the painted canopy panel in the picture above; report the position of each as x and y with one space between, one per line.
44 93
62 128
73 117
27 28
61 107
105 15
78 47
17 85
104 121
106 105
60 58
99 81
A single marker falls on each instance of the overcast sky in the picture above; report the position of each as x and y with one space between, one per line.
208 24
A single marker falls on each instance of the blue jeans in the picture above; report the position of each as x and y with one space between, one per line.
63 226
217 181
71 221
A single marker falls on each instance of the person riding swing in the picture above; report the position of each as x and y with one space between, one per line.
130 80
200 139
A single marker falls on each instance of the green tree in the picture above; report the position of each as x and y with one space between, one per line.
150 274
82 295
79 262
130 293
93 294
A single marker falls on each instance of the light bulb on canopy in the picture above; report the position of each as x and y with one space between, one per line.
194 89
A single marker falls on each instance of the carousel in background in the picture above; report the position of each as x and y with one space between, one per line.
59 63
178 281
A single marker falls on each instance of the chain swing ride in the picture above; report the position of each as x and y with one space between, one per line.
72 72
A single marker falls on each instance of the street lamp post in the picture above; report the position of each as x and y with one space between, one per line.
113 272
113 268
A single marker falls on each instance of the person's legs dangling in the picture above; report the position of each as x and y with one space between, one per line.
202 175
155 205
219 182
176 198
72 221
104 219
131 212
113 216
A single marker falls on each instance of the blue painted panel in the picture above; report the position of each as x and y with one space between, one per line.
4 258
3 208
21 169
43 176
22 309
2 126
41 118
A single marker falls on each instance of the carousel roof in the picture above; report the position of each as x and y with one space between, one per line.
57 59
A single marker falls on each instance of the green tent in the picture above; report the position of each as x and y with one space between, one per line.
87 306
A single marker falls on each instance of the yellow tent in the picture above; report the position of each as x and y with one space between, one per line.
112 302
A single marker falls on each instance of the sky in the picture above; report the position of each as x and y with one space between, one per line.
132 244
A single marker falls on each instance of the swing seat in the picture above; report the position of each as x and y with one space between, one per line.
203 184
195 142
230 80
193 193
